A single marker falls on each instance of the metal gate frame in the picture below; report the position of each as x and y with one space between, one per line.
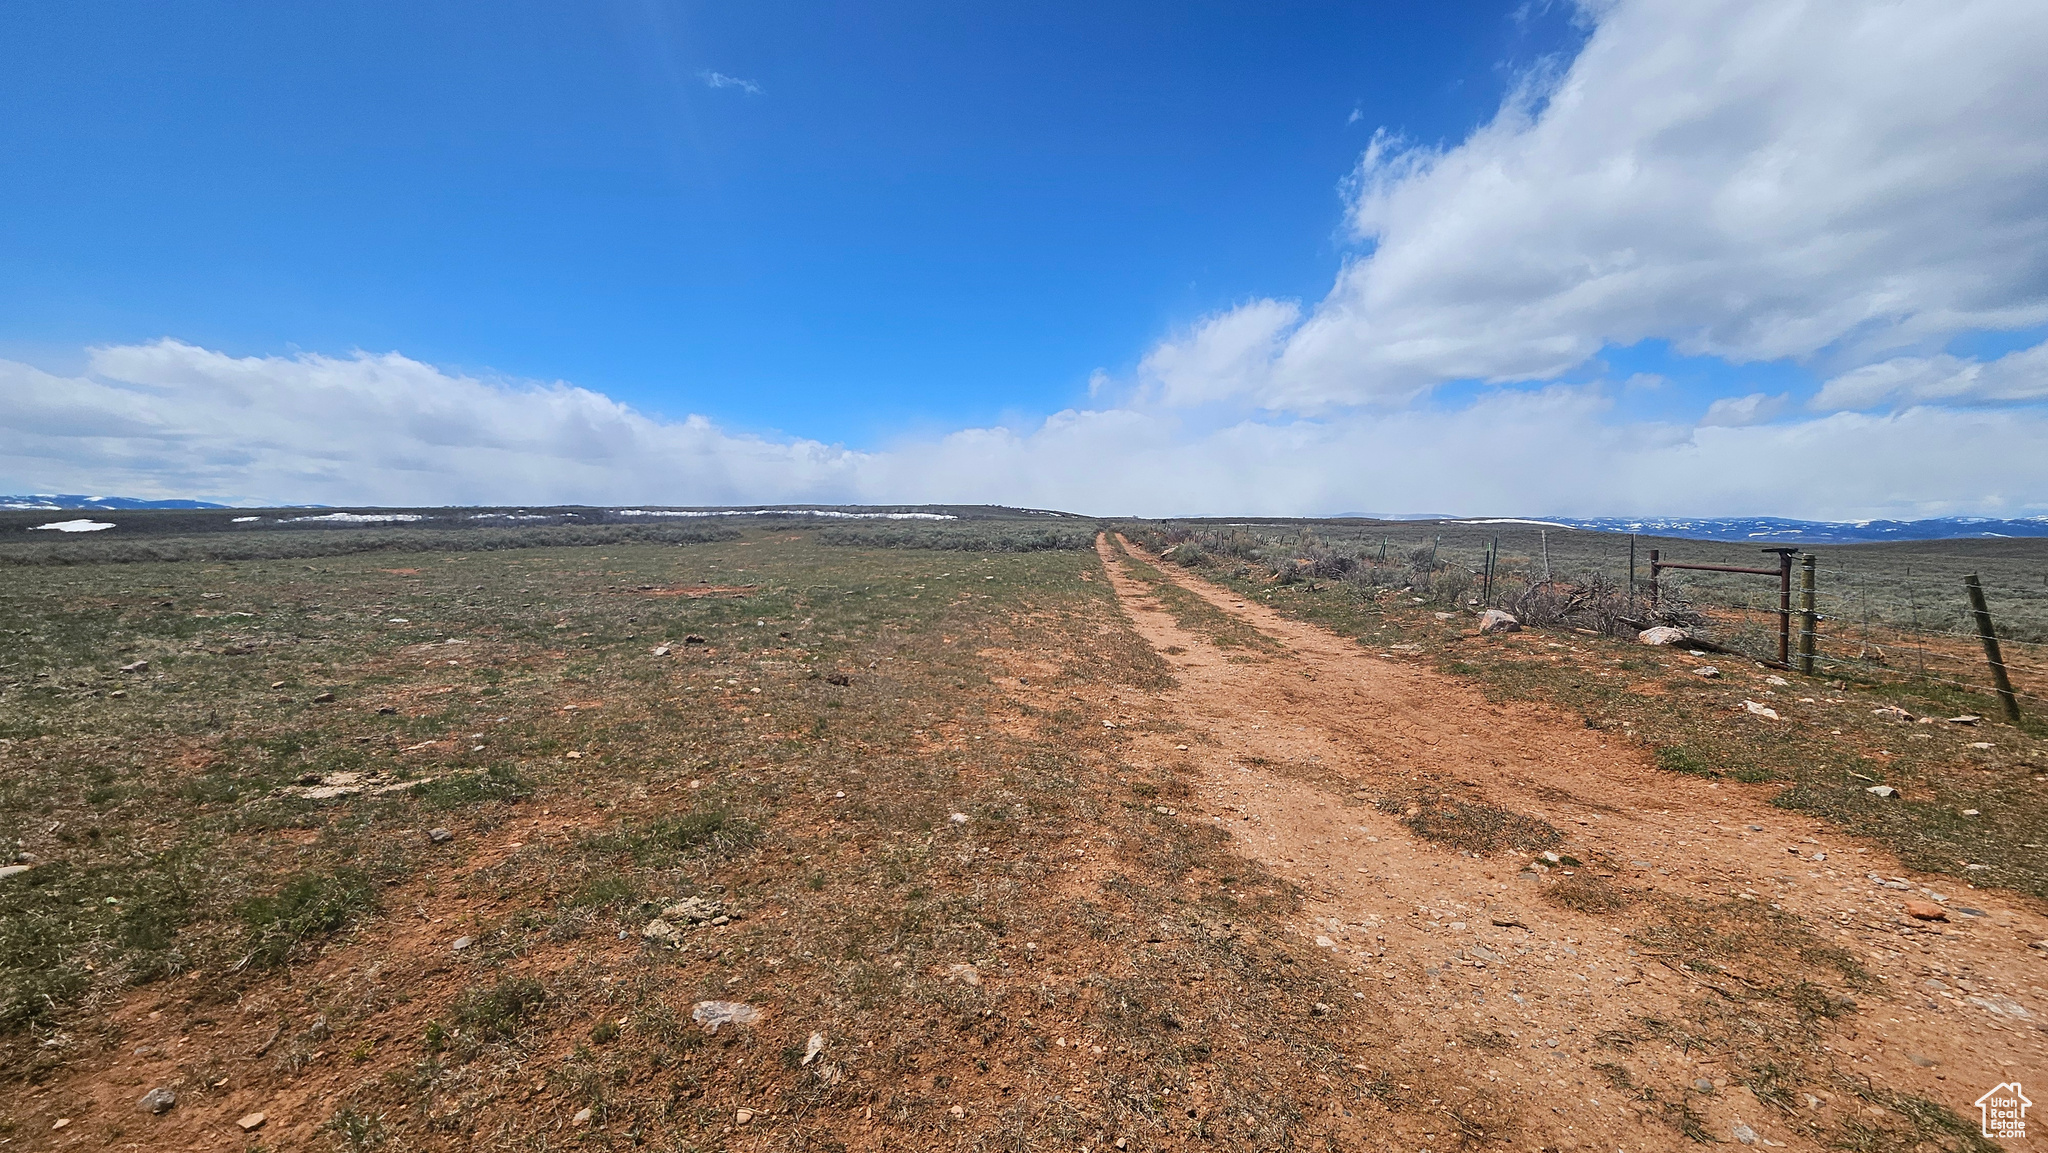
1784 574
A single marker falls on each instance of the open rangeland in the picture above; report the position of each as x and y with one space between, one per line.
1046 847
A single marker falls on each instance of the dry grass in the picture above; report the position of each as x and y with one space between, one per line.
800 769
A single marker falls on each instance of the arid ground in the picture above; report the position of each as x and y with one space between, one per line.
1065 848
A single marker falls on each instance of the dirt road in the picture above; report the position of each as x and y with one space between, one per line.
1580 992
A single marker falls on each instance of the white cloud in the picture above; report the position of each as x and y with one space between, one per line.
1742 411
171 419
1944 379
1751 179
1225 356
721 80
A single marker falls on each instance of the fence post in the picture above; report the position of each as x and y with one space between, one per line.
1653 578
1631 572
1808 622
1544 534
1784 606
2003 683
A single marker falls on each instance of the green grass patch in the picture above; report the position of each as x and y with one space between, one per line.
309 906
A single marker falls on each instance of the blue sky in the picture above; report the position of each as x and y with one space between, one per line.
1603 257
924 213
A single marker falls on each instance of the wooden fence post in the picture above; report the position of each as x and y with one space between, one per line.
1808 621
1985 633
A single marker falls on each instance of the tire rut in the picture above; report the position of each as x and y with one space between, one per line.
1531 982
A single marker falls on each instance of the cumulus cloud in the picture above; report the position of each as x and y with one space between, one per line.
1750 179
1944 379
172 419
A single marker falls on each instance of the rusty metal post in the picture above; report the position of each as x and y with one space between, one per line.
1653 578
1785 607
1808 621
1989 636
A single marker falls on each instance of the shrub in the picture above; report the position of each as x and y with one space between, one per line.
977 538
497 1012
311 905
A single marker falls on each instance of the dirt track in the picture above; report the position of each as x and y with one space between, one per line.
1461 946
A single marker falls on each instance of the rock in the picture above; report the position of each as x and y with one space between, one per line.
1743 1134
1776 681
1885 791
840 679
692 909
251 1122
387 711
582 1116
137 667
1663 635
1926 911
1965 719
1703 1085
1496 621
958 818
694 639
1972 813
7 871
158 1100
743 1116
660 930
1923 1062
1756 709
439 836
1441 616
958 1112
2000 1006
1892 713
1707 671
813 1047
1982 745
659 651
964 973
60 1123
714 1015
462 943
323 698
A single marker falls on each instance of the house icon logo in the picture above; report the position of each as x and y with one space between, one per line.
2004 1111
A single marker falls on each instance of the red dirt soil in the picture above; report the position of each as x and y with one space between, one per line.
1403 911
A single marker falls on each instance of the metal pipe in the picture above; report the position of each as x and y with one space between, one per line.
1784 607
1713 567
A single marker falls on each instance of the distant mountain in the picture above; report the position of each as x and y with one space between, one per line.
1756 528
44 501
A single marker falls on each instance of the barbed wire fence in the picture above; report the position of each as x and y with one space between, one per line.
1878 625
